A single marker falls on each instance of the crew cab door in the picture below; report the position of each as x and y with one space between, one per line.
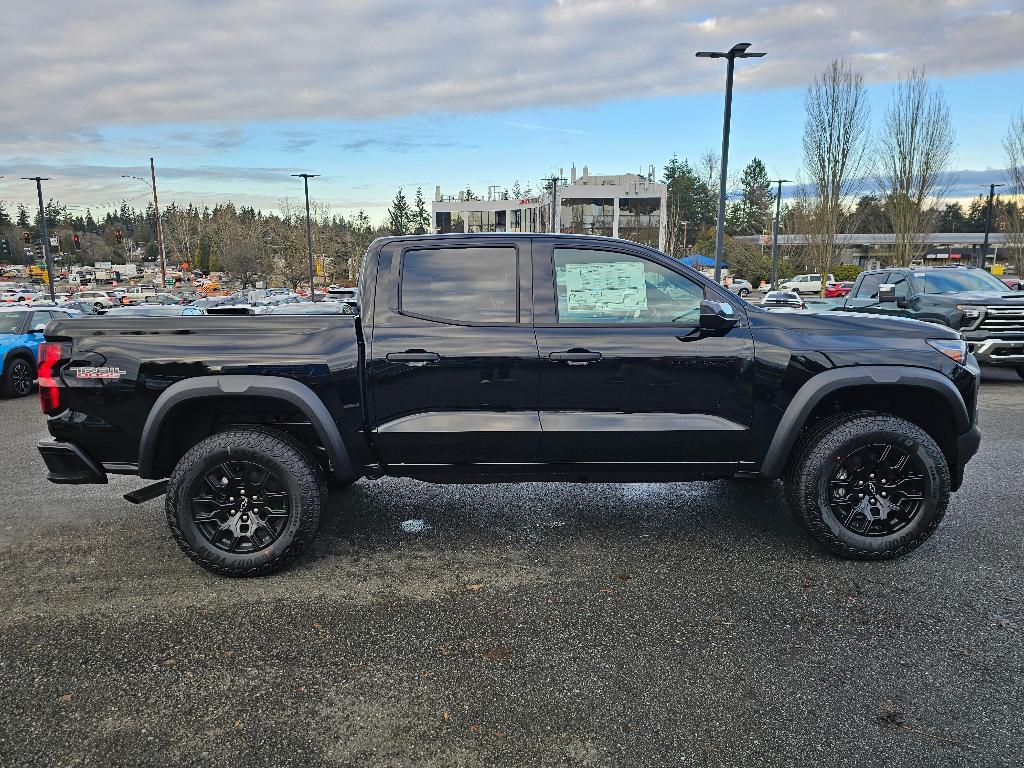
453 361
628 375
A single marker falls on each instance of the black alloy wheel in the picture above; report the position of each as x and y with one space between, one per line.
240 506
877 490
20 377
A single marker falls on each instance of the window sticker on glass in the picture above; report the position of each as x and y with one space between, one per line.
606 287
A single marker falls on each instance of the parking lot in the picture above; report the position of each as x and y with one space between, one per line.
526 625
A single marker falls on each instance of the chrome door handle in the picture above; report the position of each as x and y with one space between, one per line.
581 357
412 356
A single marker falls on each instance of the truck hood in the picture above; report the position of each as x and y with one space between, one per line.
839 323
991 298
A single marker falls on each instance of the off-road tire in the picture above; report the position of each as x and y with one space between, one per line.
18 370
814 459
280 453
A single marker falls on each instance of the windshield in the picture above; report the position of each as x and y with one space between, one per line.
957 280
10 322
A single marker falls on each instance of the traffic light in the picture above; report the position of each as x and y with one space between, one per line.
26 237
77 241
117 236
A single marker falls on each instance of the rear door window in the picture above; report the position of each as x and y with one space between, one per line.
461 285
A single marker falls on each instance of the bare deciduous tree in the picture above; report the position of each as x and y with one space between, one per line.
914 153
835 144
1014 227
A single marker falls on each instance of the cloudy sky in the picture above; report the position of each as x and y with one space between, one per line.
231 97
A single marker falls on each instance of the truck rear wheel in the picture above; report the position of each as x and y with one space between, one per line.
868 486
244 502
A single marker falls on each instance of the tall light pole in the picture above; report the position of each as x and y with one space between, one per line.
309 230
738 51
156 212
988 222
46 235
775 231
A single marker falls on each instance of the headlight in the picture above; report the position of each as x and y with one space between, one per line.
954 349
970 313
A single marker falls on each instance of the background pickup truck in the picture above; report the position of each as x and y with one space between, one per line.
511 357
988 313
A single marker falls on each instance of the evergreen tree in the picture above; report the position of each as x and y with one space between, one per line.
752 213
690 200
5 217
420 216
399 216
951 219
23 220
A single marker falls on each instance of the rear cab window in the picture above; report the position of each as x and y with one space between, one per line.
470 286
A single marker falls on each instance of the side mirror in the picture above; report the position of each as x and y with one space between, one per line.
886 293
717 315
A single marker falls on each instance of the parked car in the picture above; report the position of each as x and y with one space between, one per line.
1014 283
782 299
312 308
810 283
740 287
99 299
139 293
540 358
21 332
970 300
839 289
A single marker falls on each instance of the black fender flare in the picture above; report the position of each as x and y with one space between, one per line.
822 384
294 392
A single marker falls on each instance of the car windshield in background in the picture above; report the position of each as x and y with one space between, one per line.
958 280
10 322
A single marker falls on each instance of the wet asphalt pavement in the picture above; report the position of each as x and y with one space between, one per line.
562 625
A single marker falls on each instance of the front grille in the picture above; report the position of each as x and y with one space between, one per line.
1003 320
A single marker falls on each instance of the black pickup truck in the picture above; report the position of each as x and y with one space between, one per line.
987 312
512 357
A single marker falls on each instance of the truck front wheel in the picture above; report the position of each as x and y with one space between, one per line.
244 502
868 486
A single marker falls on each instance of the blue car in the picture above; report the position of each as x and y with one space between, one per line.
21 332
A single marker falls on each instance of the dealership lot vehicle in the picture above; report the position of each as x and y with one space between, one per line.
740 287
810 283
836 290
968 299
99 299
789 299
484 358
21 332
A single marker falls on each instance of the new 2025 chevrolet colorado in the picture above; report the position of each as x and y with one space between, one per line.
513 357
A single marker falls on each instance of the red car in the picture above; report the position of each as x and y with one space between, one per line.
838 290
1014 282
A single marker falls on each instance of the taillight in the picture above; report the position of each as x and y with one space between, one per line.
50 391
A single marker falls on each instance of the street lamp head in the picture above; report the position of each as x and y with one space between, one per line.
738 51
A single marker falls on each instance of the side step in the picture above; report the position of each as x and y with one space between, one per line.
147 493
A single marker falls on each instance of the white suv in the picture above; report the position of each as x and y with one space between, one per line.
140 293
805 283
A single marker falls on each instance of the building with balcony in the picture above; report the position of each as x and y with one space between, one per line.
630 206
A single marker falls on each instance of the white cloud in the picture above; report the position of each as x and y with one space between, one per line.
81 65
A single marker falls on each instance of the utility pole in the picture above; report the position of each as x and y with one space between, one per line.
686 230
46 235
309 230
159 227
554 198
775 232
738 51
988 222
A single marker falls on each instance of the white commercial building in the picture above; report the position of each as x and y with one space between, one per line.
630 206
